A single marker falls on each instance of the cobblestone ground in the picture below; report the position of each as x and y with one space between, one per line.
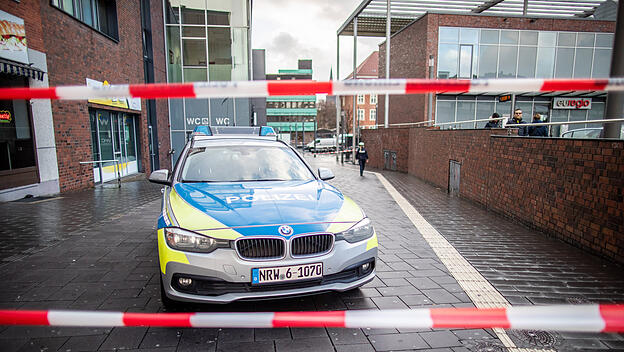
96 250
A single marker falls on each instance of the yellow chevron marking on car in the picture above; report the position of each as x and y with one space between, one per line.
372 243
191 218
347 216
166 254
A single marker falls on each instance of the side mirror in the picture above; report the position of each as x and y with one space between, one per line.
160 177
325 174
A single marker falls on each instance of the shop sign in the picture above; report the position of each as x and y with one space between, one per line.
199 121
572 103
5 116
125 103
13 38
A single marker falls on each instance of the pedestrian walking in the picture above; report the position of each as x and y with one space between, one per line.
517 120
538 131
493 123
361 155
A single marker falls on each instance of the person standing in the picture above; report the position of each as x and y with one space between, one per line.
493 123
517 120
538 131
361 155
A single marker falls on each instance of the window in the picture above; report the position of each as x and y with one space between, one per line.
373 98
373 115
361 114
360 99
98 14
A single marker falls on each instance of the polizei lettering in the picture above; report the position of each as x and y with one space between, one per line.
266 198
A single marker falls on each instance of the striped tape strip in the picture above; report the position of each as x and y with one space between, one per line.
577 318
277 88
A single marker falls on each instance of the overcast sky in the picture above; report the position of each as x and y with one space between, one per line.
306 29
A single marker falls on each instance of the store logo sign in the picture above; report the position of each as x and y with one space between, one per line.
5 116
572 103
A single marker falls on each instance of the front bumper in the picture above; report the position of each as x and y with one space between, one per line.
222 276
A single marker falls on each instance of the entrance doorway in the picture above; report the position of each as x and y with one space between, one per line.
114 141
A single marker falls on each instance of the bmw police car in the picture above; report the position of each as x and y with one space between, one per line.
245 217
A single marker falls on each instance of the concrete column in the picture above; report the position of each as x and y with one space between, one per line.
615 100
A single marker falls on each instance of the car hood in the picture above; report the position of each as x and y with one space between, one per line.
231 210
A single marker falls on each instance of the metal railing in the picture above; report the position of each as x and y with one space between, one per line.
117 168
371 127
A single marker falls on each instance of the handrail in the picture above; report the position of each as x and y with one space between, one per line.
117 167
368 127
469 121
562 123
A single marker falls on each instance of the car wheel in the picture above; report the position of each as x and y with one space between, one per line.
169 304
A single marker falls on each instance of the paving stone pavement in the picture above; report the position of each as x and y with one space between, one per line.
103 256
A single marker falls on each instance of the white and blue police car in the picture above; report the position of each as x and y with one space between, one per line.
245 217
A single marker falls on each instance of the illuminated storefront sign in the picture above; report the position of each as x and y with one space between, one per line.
572 103
5 116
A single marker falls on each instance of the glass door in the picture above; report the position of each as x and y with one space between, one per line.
129 142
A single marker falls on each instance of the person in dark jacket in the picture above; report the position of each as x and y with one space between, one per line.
517 119
361 156
493 123
538 131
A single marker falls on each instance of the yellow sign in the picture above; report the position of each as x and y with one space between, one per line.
116 102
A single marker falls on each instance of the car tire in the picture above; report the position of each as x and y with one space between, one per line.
167 303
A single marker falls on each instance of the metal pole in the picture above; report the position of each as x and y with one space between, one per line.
354 77
387 99
337 97
615 100
430 106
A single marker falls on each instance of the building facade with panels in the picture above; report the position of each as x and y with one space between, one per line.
206 41
55 146
480 46
293 115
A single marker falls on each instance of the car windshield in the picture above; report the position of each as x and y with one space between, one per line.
244 163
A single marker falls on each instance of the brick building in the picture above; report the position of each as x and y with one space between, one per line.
81 43
490 46
366 104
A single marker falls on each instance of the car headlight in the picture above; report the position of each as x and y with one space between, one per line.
358 232
188 241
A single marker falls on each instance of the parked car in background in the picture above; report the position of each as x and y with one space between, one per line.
322 145
583 133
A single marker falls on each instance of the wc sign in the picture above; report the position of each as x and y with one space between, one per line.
572 103
216 121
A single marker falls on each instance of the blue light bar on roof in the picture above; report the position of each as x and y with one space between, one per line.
267 131
202 131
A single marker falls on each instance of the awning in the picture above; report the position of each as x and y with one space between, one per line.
14 68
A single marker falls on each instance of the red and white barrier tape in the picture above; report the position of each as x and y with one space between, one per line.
577 318
338 152
276 88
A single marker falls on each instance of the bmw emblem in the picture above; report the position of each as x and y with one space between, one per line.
285 230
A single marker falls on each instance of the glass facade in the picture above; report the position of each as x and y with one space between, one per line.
207 40
503 53
469 53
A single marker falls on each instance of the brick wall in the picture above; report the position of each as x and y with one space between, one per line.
75 52
410 49
570 189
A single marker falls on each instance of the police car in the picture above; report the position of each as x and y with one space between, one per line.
245 217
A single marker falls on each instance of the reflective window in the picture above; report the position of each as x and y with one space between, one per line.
508 58
445 112
194 52
604 40
465 61
485 109
193 16
488 57
545 62
527 110
448 35
602 63
526 62
197 32
469 35
566 39
174 57
489 36
585 39
447 60
547 38
583 63
596 113
195 75
220 54
509 37
465 112
565 62
528 38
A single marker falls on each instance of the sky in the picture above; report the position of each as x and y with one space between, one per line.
306 29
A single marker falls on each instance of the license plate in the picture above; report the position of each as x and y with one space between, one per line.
286 273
